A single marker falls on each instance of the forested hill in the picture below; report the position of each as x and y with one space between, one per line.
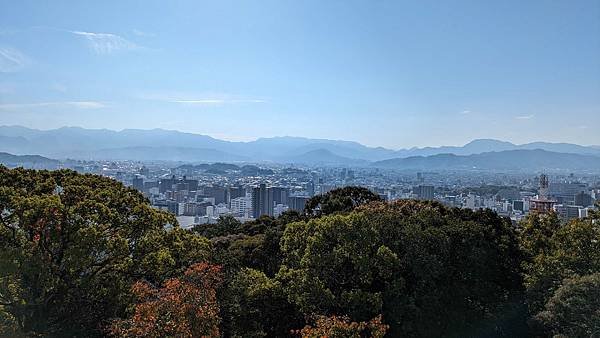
28 161
84 256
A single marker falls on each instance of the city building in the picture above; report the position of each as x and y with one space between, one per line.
583 199
259 201
138 183
542 204
241 206
297 202
424 192
564 193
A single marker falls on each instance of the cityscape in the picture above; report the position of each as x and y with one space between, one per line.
302 169
200 194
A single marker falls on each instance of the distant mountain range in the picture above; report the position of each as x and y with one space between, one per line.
159 144
522 159
488 145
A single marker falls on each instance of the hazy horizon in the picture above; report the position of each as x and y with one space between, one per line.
303 137
390 74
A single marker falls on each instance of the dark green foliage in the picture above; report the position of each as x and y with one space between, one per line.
574 309
260 306
250 253
557 253
431 271
71 246
226 225
339 200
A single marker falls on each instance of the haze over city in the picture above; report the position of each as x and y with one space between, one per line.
386 73
302 169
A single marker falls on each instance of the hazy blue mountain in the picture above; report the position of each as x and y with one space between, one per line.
159 153
28 161
489 145
210 166
561 148
69 139
473 147
322 157
504 160
13 144
349 151
268 148
80 143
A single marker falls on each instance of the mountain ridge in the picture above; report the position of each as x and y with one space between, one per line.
82 143
520 159
28 161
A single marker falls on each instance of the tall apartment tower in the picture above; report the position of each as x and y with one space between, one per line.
424 192
259 201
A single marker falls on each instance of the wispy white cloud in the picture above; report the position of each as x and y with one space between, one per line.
200 101
11 60
106 43
76 104
525 117
86 104
217 101
197 98
143 33
465 112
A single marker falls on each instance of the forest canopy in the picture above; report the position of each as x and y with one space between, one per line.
83 255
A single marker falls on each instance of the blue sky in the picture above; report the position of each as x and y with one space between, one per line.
383 73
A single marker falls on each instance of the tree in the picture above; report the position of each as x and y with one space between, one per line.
250 258
537 231
254 244
225 225
339 200
183 307
574 309
259 306
70 242
430 270
572 249
595 214
342 327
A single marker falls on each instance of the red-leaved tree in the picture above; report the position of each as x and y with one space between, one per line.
183 307
342 327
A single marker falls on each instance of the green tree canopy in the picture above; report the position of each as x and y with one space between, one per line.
71 246
339 200
574 309
568 250
430 270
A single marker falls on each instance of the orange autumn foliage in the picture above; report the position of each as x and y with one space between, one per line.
342 327
183 307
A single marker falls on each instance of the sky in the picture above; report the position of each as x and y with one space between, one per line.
384 73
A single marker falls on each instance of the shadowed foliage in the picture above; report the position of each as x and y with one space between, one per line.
70 242
339 200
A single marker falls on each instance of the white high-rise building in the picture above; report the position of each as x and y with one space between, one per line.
470 202
240 206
